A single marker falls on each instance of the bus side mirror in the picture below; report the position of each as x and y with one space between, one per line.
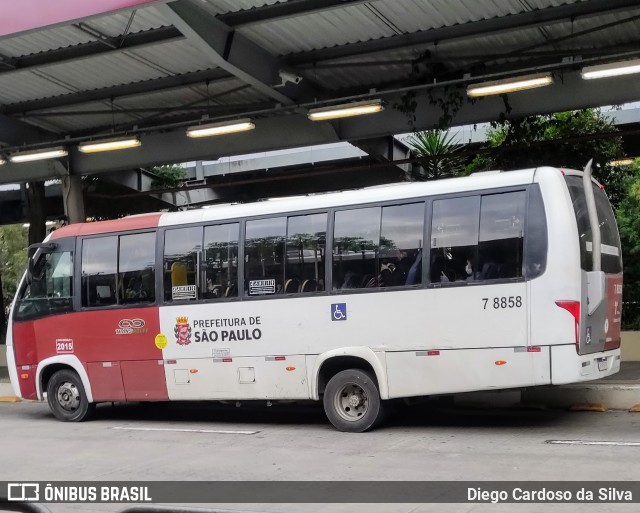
47 247
596 290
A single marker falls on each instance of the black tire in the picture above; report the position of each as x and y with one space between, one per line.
67 398
352 401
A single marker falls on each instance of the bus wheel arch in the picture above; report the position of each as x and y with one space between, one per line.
49 366
333 366
330 363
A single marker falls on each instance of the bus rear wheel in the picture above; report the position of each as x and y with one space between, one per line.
352 401
67 398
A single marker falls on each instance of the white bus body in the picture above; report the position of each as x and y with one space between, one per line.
359 346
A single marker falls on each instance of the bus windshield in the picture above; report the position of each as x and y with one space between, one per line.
49 290
610 240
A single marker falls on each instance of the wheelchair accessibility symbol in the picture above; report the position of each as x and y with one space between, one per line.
339 312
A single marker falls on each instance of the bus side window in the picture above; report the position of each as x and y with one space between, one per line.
500 246
136 265
454 239
356 242
99 269
221 257
264 256
306 246
401 245
180 264
536 235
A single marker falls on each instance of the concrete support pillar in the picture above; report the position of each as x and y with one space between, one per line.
199 170
73 199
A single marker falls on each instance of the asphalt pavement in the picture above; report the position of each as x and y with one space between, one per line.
204 441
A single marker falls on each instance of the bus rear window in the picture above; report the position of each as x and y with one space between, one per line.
609 238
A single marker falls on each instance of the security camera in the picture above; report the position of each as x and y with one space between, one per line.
287 76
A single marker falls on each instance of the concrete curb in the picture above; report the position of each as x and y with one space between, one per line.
612 396
6 393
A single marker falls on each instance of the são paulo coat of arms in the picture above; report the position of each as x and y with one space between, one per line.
182 331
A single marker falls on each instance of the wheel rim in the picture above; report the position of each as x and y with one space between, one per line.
351 402
68 396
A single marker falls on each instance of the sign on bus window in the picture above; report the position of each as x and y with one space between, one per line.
264 255
180 264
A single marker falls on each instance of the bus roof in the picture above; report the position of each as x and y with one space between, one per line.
398 191
389 192
126 223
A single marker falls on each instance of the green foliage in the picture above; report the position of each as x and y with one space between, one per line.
407 105
561 140
438 151
628 217
168 177
13 258
449 102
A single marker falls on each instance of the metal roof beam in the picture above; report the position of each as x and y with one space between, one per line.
152 121
32 171
15 133
288 9
108 93
486 27
174 146
296 130
227 48
91 49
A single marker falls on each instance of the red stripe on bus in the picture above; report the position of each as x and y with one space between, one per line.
112 226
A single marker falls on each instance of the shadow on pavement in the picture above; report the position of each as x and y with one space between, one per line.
429 414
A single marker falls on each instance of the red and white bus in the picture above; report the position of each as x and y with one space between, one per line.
332 297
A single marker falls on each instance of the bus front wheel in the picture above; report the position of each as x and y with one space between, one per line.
352 401
67 398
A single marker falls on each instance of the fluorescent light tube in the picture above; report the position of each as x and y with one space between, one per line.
346 110
109 145
225 127
510 85
613 69
47 153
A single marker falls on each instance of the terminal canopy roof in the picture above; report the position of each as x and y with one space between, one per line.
74 71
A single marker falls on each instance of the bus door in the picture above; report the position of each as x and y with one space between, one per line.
117 319
601 302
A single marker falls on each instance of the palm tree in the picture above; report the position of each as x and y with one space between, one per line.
438 151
